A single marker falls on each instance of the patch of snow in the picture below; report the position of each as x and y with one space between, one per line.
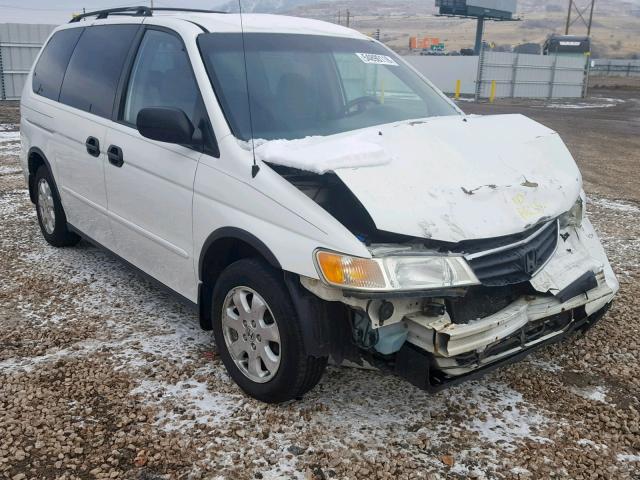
547 366
623 457
9 142
198 403
597 393
8 127
9 170
504 416
618 205
606 103
585 442
9 136
523 472
323 154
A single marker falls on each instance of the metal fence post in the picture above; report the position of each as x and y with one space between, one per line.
3 92
479 78
514 75
587 73
552 81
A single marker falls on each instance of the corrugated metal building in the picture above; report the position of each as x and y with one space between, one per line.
19 46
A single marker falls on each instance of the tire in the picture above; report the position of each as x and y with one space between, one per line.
256 282
51 216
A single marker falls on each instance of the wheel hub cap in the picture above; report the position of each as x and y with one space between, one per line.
46 207
251 334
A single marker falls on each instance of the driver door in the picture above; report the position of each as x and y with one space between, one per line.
149 183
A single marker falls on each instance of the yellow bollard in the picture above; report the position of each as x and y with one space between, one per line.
492 96
458 87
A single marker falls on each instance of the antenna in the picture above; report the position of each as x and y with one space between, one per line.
255 168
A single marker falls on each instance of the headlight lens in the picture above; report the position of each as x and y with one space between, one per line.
418 272
574 217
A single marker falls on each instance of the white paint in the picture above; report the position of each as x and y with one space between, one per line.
257 22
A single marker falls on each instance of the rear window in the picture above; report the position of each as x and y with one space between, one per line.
94 70
49 71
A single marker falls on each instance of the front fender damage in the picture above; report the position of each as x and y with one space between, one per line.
570 292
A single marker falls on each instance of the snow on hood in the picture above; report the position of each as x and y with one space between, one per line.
324 154
459 178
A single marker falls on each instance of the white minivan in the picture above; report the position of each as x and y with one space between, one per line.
311 193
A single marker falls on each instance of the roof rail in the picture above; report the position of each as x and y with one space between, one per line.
140 11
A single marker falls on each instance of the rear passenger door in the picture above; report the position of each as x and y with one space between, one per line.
150 188
84 112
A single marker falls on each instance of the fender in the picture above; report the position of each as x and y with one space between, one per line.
238 234
41 154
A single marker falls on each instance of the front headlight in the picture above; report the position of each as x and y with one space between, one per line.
410 272
574 217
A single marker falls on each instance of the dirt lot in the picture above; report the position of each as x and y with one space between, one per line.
102 375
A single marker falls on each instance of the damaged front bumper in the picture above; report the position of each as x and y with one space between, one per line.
432 348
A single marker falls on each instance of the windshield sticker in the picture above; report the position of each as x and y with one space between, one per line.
376 59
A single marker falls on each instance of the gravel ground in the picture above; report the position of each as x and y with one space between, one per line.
103 375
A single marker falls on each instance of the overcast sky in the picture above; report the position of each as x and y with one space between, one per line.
60 11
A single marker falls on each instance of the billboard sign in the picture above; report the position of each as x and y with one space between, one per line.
490 9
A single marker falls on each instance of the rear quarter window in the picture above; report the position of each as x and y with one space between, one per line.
49 71
94 69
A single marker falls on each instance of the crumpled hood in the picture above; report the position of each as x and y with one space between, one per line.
461 178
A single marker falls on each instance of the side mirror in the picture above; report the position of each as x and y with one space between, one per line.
170 125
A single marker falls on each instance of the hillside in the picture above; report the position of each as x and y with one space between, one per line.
615 27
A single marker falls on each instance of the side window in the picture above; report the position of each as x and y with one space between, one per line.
162 77
49 72
94 70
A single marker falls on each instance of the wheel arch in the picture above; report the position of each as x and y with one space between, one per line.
221 248
35 159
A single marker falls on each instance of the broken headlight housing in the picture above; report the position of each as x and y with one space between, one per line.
574 217
402 272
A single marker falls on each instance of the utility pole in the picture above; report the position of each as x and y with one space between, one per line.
479 33
151 1
593 2
348 17
580 11
566 28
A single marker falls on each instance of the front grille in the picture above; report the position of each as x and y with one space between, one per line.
516 263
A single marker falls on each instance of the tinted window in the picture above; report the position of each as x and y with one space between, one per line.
95 67
162 77
48 74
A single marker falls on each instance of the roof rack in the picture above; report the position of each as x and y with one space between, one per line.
140 11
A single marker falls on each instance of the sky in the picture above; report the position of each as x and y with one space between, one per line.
60 11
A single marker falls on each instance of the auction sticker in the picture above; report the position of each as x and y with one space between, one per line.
376 59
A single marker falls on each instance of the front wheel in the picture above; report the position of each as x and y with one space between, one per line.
257 331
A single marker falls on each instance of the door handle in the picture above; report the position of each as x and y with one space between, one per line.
114 154
93 146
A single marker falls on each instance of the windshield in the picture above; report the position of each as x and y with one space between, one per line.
306 85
